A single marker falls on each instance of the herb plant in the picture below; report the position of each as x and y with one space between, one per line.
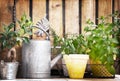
116 16
74 44
101 43
9 38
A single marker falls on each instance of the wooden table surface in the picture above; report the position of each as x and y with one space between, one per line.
117 78
59 79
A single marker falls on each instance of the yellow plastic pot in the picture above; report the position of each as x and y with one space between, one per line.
76 65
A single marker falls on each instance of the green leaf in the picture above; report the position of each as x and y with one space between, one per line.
26 40
10 38
19 39
111 69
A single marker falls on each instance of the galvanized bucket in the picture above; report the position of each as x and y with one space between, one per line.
8 70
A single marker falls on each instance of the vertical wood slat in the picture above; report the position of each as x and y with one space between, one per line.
105 8
88 12
72 25
115 5
6 7
22 6
119 5
72 16
55 16
39 11
71 10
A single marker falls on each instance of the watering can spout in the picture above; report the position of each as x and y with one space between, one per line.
55 60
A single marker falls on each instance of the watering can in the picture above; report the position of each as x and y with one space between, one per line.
36 59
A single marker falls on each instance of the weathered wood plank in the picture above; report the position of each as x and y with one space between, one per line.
88 12
105 8
116 2
119 5
55 16
22 7
39 11
72 16
6 7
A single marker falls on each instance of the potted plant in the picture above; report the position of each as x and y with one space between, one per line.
55 42
116 16
102 47
9 39
74 50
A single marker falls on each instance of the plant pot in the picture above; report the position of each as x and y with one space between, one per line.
76 65
8 70
100 71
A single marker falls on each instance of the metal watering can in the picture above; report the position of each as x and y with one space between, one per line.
36 58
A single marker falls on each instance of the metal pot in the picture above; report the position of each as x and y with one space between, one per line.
8 70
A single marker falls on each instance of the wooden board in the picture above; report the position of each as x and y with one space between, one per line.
39 11
88 12
119 5
22 7
55 16
5 12
105 8
72 16
69 79
116 2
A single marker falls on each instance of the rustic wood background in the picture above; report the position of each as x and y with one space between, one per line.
65 16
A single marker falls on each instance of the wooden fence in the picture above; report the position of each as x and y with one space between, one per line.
65 16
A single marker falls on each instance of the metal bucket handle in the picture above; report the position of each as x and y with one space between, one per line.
12 54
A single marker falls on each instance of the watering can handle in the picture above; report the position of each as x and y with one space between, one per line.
48 37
